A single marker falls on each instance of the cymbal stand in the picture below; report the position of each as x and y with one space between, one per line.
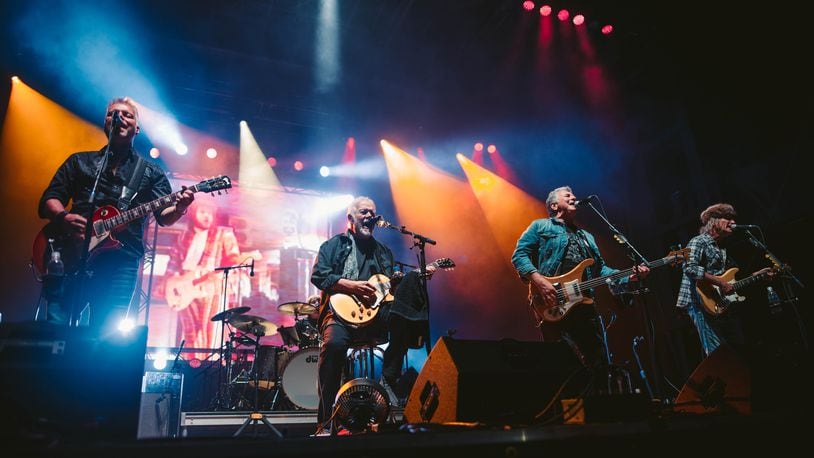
256 417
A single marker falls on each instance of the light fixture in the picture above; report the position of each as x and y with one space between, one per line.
361 405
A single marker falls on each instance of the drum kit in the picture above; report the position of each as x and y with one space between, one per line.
273 370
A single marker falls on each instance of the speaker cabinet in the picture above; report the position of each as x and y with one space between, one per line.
69 384
499 382
160 414
722 383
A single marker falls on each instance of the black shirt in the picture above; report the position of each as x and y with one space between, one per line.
74 179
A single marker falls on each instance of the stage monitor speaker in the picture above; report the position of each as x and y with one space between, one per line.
62 384
160 414
494 382
722 383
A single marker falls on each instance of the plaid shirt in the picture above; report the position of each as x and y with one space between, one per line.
705 256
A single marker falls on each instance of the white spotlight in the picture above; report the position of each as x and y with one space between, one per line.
126 325
160 359
324 171
181 149
211 153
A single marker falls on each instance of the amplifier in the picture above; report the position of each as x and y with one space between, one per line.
160 413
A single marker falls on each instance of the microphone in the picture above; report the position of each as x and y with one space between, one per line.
382 223
584 201
117 118
251 269
743 226
375 221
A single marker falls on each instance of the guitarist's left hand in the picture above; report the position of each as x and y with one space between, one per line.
184 199
642 271
769 271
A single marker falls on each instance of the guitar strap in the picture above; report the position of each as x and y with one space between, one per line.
129 191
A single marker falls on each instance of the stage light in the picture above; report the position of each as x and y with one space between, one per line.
181 149
478 146
160 359
361 405
272 161
126 325
491 149
563 15
528 5
211 153
545 11
298 166
15 79
154 152
607 29
579 19
324 171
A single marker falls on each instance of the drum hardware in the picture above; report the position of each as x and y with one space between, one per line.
297 308
256 417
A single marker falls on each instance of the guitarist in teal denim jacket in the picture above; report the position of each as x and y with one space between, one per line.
555 246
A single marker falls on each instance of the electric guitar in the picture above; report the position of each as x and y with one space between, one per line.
716 303
182 289
571 291
106 221
358 313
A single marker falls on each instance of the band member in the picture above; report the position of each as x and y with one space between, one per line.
554 246
707 260
195 290
110 288
343 265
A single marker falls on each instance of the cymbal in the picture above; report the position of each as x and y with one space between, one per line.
253 324
224 315
299 308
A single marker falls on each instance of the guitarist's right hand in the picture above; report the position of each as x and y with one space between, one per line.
547 291
363 290
75 225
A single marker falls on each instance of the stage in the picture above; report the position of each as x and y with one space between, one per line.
662 434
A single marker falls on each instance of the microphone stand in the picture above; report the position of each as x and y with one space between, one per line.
419 241
637 259
225 391
82 272
788 293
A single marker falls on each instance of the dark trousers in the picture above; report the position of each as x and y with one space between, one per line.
108 291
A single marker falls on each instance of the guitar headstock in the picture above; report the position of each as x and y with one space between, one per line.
679 256
444 263
214 184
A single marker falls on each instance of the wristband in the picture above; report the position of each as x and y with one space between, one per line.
60 216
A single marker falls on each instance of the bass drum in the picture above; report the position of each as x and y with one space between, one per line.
300 378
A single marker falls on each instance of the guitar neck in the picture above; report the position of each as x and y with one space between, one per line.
143 210
594 282
749 280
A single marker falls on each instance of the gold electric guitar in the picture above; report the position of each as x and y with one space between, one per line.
716 303
571 291
357 312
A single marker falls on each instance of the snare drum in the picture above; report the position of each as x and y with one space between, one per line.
300 378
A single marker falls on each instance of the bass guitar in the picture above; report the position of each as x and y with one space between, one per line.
106 221
714 302
356 312
571 291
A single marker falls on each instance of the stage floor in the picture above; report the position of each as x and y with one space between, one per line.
210 435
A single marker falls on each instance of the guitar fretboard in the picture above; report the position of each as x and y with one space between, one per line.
142 210
594 282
